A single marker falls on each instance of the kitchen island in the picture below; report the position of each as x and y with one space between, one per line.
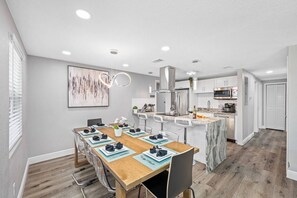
208 134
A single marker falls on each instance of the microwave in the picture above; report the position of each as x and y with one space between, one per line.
225 93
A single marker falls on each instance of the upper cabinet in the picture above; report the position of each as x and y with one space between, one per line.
226 82
204 86
208 85
182 84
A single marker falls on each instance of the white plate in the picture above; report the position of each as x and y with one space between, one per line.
116 151
136 133
157 140
100 141
159 159
88 134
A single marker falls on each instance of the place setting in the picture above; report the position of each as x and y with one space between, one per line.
155 157
135 132
158 139
112 152
100 139
90 131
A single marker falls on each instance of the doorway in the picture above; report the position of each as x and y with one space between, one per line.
275 106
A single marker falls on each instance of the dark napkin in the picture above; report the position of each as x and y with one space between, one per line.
153 137
96 138
86 131
103 136
161 153
153 150
119 145
120 125
93 130
100 124
109 148
160 136
132 130
126 125
138 130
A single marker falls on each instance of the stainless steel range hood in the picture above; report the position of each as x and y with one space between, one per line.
167 79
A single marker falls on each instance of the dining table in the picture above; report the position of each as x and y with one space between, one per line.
128 171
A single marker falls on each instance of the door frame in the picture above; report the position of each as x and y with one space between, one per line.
265 103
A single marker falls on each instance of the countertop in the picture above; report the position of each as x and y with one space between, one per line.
214 111
197 121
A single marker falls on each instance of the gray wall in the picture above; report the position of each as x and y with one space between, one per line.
292 108
11 170
51 121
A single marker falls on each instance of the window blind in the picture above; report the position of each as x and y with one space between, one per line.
15 92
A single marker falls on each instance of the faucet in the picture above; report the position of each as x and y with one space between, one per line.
208 105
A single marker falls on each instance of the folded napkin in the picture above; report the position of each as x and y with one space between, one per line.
160 136
103 136
153 150
96 138
161 153
125 125
93 130
109 147
100 124
120 125
153 137
86 131
138 130
119 145
132 130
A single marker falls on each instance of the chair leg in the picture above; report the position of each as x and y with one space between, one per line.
83 192
193 193
139 191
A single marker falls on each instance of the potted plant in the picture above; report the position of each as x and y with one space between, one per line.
191 82
117 130
135 109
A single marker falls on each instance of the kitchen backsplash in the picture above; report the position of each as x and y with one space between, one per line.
200 100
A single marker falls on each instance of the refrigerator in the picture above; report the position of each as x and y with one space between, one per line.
179 100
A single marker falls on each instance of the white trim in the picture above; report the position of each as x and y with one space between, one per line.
49 156
22 187
15 146
248 138
292 175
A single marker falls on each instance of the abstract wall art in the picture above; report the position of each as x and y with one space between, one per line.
85 89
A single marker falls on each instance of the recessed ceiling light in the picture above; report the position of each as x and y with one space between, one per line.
165 48
195 61
83 14
150 72
191 73
114 51
228 67
125 65
269 72
66 52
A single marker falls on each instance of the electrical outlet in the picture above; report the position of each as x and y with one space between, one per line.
13 189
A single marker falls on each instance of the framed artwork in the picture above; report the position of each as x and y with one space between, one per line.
85 89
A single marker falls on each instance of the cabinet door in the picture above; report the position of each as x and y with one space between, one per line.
231 81
182 84
209 85
220 82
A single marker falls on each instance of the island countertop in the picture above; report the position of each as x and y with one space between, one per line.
197 121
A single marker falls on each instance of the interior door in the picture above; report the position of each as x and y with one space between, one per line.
276 106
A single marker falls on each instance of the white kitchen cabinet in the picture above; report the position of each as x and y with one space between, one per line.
230 81
204 86
182 84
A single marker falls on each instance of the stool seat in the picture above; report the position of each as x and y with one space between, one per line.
185 123
144 117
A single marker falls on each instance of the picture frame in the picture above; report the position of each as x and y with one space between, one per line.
85 89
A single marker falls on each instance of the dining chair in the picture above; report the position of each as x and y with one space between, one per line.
169 184
95 121
170 135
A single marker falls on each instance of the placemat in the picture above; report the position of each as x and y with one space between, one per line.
89 134
153 143
100 143
115 156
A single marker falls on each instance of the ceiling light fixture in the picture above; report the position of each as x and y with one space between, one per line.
114 51
108 80
83 14
195 61
125 65
269 72
165 48
191 73
66 52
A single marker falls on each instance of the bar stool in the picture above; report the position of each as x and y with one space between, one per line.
143 116
184 122
170 135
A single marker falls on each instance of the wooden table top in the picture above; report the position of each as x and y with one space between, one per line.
128 171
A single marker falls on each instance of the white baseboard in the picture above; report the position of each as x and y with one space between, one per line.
292 175
22 187
248 138
49 156
41 158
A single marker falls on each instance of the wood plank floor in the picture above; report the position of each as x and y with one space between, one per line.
255 170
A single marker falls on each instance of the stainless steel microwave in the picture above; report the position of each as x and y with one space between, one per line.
225 93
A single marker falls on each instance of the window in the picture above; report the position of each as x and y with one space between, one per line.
15 92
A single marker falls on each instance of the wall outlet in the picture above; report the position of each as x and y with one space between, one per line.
13 189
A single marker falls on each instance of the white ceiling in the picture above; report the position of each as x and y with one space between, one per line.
249 34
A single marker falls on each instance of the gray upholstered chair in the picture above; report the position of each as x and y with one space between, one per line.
92 122
169 184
